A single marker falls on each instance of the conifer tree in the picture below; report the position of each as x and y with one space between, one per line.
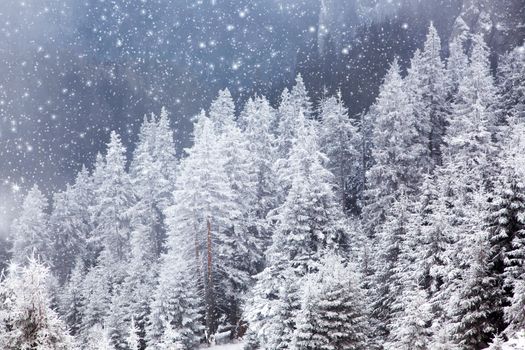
113 198
396 154
205 210
175 317
258 122
340 141
477 303
30 231
222 111
333 313
26 318
295 109
388 281
426 82
133 339
71 225
457 64
511 84
98 339
307 225
71 301
410 329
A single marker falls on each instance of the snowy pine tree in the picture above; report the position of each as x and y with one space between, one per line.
333 314
397 156
71 225
340 141
26 318
71 300
308 224
30 231
511 83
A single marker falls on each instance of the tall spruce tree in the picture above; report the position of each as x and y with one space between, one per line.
341 142
333 313
71 225
308 224
396 154
30 231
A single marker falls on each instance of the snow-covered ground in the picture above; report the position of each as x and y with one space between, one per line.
517 343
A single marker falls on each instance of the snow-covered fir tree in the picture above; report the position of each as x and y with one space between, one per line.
30 231
257 121
206 210
222 111
333 312
71 301
511 83
71 225
409 330
426 82
27 320
308 224
341 142
397 156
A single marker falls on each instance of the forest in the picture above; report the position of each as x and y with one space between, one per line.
293 226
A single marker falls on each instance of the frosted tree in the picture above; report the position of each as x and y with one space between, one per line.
285 124
133 339
176 307
300 99
308 224
341 142
511 83
514 315
222 111
205 210
113 198
470 147
426 83
476 304
258 121
272 308
177 303
457 64
242 180
71 300
506 225
98 339
117 318
96 293
396 154
387 281
477 93
71 225
409 330
295 107
165 155
30 231
333 312
26 318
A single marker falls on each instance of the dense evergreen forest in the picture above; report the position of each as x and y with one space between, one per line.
296 226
